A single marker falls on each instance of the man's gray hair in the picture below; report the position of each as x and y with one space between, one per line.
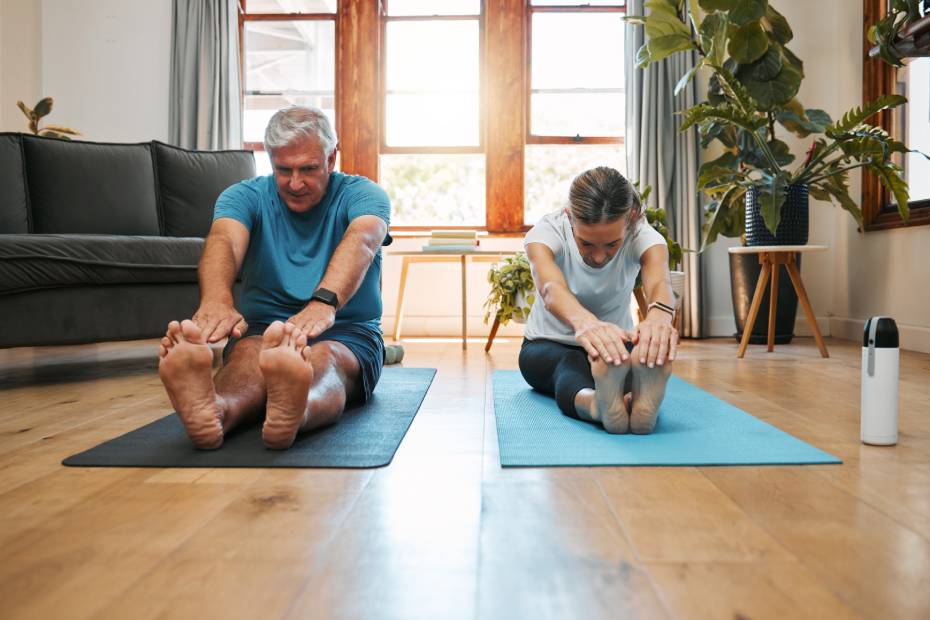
296 123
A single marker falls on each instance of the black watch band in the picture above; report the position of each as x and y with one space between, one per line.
325 296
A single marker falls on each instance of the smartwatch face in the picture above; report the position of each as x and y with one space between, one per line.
325 296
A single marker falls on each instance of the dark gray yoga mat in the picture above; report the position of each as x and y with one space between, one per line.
366 436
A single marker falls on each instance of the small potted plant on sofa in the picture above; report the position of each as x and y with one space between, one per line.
752 92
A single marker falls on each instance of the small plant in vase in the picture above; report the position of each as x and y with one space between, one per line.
512 290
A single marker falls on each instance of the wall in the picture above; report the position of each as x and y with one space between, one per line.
20 60
107 64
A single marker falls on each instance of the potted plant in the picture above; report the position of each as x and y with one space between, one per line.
903 32
512 290
41 109
754 193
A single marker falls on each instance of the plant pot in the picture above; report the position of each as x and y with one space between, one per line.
520 302
793 227
744 274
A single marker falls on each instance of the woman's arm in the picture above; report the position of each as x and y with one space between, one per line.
599 338
658 339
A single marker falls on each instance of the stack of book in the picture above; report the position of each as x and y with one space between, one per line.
452 241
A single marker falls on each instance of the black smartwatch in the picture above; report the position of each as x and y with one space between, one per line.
325 296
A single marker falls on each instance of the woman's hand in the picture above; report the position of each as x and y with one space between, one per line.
657 339
604 340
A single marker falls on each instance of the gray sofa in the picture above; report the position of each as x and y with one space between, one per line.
101 241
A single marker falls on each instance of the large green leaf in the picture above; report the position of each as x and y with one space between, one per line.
802 122
891 178
735 90
778 25
724 216
642 56
747 43
793 60
717 5
666 31
836 188
726 113
858 115
714 37
765 68
746 11
775 92
771 196
683 82
781 151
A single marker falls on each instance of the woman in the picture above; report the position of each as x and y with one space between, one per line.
580 345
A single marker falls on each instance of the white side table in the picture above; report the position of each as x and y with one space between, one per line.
462 257
770 257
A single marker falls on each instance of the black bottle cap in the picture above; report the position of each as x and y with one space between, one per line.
886 333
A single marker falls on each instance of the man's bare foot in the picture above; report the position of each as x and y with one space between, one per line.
608 395
285 364
648 392
185 369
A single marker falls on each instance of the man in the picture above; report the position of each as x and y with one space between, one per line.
306 339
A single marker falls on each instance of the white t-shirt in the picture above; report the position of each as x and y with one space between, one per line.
605 292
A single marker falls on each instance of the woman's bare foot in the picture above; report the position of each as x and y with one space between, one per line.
648 392
185 369
285 364
609 403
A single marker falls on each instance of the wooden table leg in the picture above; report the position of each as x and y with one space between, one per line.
806 304
399 314
464 303
754 307
773 304
497 323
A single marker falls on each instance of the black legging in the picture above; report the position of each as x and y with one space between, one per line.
558 370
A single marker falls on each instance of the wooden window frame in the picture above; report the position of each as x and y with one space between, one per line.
878 78
531 10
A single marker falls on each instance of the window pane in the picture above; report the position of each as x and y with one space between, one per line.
290 6
431 120
577 2
432 82
435 190
290 62
918 127
550 170
582 114
259 109
432 7
577 50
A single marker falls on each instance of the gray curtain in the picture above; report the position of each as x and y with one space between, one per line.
657 154
205 110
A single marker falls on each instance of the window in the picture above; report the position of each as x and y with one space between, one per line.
909 123
575 100
432 160
289 57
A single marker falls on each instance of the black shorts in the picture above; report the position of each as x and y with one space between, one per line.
560 370
365 343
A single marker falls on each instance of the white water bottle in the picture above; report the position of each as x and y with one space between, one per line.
880 358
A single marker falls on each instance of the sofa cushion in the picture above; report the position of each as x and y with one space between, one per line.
189 183
14 210
89 187
30 262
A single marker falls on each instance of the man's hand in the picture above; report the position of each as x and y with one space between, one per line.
314 319
217 320
658 339
604 340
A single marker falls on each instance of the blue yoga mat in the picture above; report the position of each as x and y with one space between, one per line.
694 428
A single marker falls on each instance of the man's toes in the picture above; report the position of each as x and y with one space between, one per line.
273 335
191 332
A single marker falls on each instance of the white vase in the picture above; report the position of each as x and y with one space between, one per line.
520 301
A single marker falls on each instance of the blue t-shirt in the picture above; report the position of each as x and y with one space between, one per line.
289 252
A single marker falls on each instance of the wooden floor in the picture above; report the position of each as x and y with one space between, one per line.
444 532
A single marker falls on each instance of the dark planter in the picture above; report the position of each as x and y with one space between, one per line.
792 229
744 274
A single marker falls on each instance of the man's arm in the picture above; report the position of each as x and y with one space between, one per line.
345 272
658 339
599 338
223 253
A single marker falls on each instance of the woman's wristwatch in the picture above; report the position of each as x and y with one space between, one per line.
661 306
